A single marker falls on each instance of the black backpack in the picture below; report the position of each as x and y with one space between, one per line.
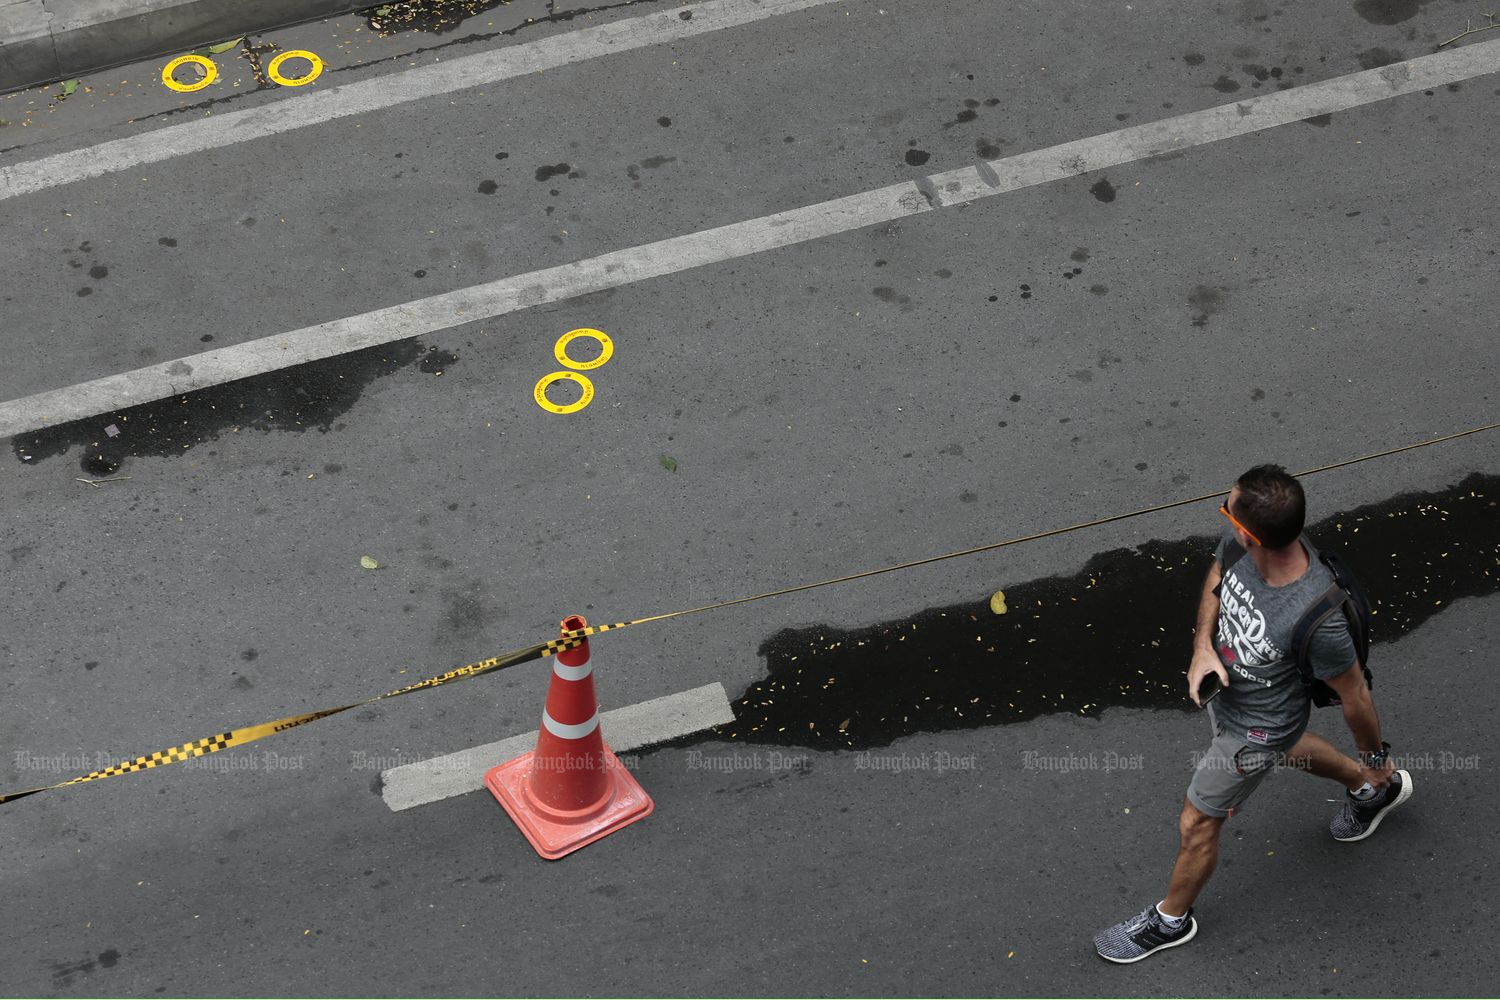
1347 596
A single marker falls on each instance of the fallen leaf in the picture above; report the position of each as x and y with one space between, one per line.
368 563
224 46
997 602
669 463
69 86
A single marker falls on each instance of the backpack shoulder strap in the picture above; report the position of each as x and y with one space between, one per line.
1344 595
1332 600
1233 553
1357 608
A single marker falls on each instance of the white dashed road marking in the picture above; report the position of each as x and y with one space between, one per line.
446 77
487 301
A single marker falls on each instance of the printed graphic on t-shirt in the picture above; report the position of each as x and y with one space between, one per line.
1242 631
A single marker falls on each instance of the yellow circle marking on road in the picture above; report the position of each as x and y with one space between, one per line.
540 392
210 73
561 349
273 69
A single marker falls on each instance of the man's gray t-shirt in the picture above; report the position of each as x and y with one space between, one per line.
1266 702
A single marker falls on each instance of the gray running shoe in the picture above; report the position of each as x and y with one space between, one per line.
1356 820
1132 940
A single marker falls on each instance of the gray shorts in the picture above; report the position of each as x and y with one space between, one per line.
1229 770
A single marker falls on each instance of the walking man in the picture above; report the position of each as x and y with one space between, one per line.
1246 617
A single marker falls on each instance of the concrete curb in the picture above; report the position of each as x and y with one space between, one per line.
42 41
630 728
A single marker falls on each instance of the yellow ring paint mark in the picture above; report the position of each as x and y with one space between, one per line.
561 349
273 69
540 392
211 73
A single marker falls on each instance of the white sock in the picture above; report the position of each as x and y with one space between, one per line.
1364 792
1172 922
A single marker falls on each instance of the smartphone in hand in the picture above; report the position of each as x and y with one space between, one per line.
1209 688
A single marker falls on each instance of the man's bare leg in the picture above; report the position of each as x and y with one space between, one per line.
1197 855
1313 753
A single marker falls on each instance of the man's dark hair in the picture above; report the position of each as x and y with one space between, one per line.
1271 505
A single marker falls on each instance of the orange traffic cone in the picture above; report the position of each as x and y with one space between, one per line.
571 790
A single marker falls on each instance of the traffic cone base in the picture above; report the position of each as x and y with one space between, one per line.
556 832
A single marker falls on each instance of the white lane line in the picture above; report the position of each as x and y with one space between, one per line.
493 299
472 304
629 728
387 91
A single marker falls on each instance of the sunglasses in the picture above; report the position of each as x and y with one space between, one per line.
1224 509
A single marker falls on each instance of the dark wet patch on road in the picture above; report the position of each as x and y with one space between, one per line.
435 362
1255 73
633 170
970 111
307 397
63 972
435 16
1206 302
1377 57
1079 255
889 295
1388 12
439 17
1118 633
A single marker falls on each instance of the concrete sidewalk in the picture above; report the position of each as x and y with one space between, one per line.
46 40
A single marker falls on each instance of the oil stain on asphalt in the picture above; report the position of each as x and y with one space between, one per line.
1119 633
306 397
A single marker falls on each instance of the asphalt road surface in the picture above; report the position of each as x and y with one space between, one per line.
292 327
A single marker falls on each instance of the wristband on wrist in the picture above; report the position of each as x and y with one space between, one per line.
1376 758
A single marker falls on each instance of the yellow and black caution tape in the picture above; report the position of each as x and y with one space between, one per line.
572 639
249 734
